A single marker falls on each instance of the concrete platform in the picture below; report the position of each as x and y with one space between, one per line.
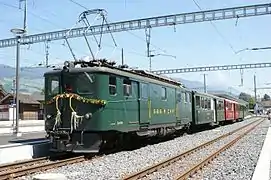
26 129
262 169
26 137
29 146
22 122
24 126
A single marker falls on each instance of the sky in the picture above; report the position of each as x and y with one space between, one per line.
197 44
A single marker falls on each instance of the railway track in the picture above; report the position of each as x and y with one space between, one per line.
15 170
18 169
192 168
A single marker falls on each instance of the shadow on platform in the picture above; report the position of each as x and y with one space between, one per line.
26 141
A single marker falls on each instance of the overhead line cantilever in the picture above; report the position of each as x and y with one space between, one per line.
159 21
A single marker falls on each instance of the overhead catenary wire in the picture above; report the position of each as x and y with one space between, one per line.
33 14
216 29
78 4
142 39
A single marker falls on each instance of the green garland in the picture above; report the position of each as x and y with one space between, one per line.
77 97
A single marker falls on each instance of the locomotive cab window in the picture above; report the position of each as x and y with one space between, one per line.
84 83
54 86
127 88
52 83
112 85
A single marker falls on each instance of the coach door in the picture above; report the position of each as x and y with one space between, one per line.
184 106
144 103
213 109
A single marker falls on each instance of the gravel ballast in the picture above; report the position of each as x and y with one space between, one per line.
179 167
115 166
239 161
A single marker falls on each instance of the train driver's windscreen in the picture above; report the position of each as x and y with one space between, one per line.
79 83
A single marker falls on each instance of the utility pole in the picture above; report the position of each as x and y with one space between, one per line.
18 34
255 89
46 53
148 41
122 57
13 103
204 82
25 13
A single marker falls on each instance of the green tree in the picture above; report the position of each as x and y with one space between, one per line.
244 96
251 103
42 91
266 97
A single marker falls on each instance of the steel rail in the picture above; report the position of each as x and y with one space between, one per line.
18 164
171 160
14 173
194 169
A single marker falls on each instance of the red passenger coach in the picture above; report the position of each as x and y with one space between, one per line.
230 110
236 110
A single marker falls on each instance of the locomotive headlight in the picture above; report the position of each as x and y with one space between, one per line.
48 116
66 63
88 115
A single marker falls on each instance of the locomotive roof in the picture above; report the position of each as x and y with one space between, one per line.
227 96
208 95
132 73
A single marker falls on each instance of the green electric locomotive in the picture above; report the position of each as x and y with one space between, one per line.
99 105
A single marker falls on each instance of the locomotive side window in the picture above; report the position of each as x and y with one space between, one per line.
163 93
188 97
209 103
218 105
185 97
144 90
127 88
206 103
202 102
229 105
112 85
197 101
179 97
222 105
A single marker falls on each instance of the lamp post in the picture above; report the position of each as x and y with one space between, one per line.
18 33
